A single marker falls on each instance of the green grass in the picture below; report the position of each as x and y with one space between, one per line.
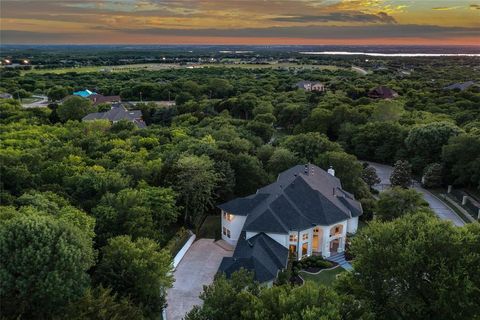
325 277
165 66
210 228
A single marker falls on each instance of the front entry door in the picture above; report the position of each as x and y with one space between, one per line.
334 245
315 243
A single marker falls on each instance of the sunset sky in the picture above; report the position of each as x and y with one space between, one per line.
241 21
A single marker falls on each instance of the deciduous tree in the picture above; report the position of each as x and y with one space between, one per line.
139 270
402 174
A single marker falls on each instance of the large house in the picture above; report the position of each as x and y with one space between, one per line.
305 212
311 86
97 99
117 113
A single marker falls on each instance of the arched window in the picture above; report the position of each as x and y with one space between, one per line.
336 230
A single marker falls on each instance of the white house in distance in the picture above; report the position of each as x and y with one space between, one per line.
305 212
311 86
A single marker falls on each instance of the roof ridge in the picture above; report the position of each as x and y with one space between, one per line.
293 204
273 214
332 202
269 248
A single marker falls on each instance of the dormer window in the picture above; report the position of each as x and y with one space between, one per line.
228 216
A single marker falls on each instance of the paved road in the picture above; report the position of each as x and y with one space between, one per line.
42 102
197 268
440 208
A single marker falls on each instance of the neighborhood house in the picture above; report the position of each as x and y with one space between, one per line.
117 113
382 92
305 212
311 86
84 93
97 99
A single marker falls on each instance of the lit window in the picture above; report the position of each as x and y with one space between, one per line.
305 236
226 232
293 238
228 216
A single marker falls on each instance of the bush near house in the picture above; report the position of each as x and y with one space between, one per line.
311 264
177 241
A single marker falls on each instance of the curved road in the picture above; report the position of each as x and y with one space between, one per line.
42 102
440 208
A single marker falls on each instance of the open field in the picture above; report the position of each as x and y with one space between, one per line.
167 66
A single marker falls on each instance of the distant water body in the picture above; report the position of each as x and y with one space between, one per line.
376 54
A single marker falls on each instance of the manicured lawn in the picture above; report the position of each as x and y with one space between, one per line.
210 228
325 277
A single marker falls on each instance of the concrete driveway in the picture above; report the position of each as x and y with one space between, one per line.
438 206
197 268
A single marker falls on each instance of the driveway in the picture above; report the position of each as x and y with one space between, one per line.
40 103
438 206
197 268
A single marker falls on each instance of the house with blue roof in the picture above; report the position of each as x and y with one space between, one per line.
305 212
84 93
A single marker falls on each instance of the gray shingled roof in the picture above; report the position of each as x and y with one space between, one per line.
461 86
117 113
302 197
260 254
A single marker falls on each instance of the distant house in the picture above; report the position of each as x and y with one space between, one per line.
382 92
5 96
305 212
311 86
84 93
118 113
460 86
97 99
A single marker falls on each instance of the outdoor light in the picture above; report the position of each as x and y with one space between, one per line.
25 61
7 61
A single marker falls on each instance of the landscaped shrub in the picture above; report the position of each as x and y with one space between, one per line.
283 277
311 264
177 241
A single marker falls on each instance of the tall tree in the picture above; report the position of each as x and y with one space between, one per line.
461 157
309 146
74 108
433 175
137 269
240 298
416 267
102 304
396 202
402 174
425 142
44 263
195 183
369 175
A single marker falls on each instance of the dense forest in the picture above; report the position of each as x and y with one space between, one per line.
109 201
